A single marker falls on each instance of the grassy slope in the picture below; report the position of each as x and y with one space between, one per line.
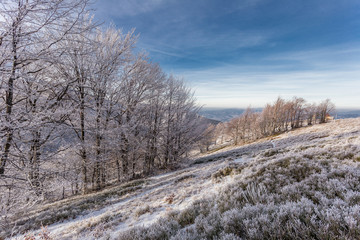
308 186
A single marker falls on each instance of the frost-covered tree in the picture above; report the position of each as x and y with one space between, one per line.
30 32
31 94
93 62
113 50
154 113
139 81
78 108
180 121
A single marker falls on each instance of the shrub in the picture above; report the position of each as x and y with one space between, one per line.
142 210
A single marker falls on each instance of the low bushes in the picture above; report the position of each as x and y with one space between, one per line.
290 197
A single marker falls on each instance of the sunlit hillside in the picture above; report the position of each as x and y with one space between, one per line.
301 184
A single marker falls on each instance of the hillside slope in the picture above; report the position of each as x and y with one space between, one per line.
301 184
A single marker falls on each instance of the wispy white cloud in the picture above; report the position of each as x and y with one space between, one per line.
164 52
229 40
342 55
328 74
202 47
124 8
341 87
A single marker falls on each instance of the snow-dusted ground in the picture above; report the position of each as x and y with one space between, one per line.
183 186
159 195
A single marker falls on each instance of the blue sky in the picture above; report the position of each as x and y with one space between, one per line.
249 52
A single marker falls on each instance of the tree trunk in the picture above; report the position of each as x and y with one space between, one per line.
9 103
97 169
125 156
34 173
82 140
118 170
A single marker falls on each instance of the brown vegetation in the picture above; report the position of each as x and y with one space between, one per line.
281 116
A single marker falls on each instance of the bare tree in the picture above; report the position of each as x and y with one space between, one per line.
153 122
220 133
30 32
276 118
180 121
112 52
233 129
93 62
208 137
325 108
310 112
140 80
31 102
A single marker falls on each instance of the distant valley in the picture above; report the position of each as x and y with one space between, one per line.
225 114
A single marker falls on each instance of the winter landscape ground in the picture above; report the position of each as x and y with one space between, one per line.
104 131
302 184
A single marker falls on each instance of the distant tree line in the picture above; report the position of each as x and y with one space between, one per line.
79 109
281 116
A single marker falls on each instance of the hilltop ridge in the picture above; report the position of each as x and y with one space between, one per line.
276 171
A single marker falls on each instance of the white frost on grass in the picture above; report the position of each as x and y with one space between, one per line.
327 141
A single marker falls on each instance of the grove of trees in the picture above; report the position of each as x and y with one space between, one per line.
281 116
79 108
